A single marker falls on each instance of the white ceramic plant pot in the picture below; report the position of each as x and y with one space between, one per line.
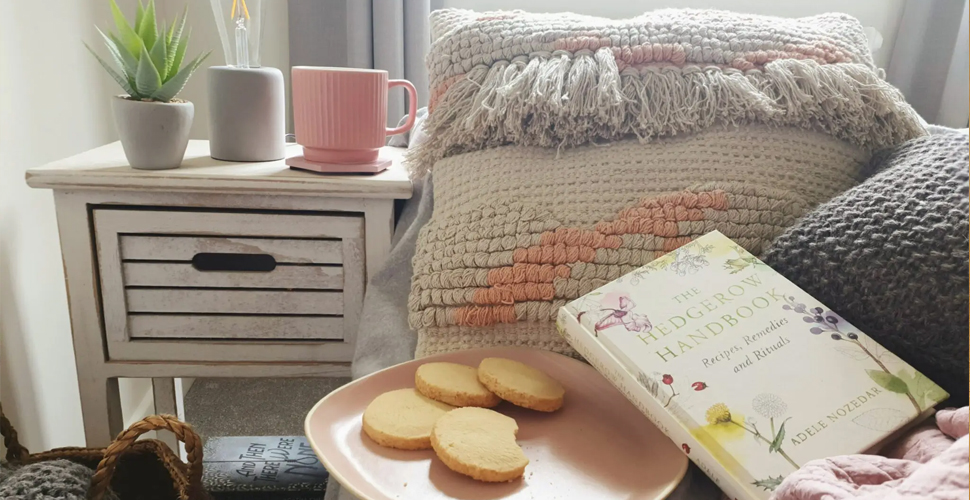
154 135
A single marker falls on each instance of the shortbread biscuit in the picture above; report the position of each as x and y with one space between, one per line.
455 384
521 384
480 443
403 419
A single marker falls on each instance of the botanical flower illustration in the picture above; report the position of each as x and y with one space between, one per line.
829 322
685 448
769 406
623 315
685 260
686 263
698 386
583 304
769 484
718 413
751 422
743 260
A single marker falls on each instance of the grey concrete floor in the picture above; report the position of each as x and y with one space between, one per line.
254 406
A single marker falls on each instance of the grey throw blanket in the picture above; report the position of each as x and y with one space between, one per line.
383 337
891 256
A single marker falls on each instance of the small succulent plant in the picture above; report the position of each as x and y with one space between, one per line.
149 60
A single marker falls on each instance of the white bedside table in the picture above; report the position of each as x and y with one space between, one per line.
215 269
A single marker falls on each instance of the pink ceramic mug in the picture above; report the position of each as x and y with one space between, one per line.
339 114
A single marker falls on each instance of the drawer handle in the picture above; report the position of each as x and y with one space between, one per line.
253 263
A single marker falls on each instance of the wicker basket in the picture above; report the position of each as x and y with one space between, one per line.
147 469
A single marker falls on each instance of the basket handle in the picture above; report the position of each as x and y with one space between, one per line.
15 451
183 432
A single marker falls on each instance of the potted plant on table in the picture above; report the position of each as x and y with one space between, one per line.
152 123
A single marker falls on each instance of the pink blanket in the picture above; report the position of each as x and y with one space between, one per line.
929 463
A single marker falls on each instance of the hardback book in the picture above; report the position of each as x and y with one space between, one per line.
257 467
747 373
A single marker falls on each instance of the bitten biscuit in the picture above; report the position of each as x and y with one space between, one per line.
455 384
479 443
521 384
403 419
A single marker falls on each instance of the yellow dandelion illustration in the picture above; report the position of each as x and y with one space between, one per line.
717 416
718 413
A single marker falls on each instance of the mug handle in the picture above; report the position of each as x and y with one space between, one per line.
412 106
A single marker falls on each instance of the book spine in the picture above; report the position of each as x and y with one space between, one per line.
624 381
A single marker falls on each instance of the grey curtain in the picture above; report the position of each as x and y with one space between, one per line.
393 35
931 59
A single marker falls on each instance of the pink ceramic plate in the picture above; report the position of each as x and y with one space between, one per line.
597 446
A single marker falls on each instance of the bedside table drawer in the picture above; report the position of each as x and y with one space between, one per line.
207 285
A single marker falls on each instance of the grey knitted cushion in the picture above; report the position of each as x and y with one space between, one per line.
891 256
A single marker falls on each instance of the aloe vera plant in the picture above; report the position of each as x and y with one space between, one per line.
149 60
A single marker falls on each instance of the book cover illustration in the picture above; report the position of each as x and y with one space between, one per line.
764 376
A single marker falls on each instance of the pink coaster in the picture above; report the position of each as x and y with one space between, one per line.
373 167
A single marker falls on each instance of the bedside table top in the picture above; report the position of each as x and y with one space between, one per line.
106 168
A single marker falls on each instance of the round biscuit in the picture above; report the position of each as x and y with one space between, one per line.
479 443
454 384
403 419
521 384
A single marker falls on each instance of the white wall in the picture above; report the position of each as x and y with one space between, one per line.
52 105
54 102
883 15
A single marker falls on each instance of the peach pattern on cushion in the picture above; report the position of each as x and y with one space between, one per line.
517 232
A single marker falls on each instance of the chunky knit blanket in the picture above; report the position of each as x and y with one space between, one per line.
699 120
557 80
929 463
51 480
891 255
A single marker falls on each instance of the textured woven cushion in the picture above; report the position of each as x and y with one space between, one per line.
891 255
557 80
519 231
702 120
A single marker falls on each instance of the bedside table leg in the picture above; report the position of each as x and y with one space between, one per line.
100 402
165 404
100 409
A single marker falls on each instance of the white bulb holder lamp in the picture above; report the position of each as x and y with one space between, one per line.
247 104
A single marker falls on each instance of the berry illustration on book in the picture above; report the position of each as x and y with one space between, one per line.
829 322
668 380
722 353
